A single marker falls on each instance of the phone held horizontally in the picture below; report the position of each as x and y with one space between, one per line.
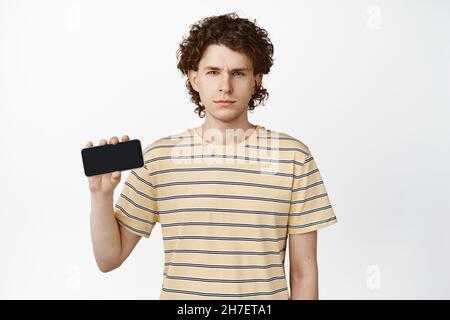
112 157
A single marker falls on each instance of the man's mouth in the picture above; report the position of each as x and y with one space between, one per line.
224 102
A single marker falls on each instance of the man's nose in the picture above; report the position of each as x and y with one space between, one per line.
225 83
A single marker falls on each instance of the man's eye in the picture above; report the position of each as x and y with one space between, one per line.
235 73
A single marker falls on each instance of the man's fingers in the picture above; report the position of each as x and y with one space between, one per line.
114 140
116 175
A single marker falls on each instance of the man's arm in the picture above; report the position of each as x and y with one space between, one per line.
303 266
112 243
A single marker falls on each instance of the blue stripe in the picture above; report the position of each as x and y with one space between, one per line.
137 205
310 211
277 149
259 172
168 225
278 138
245 253
223 156
173 145
220 169
139 192
223 210
309 159
308 186
223 266
225 238
133 229
310 198
225 294
221 196
173 137
162 185
132 216
141 179
306 174
225 280
312 223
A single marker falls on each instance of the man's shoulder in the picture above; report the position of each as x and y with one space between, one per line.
167 142
285 141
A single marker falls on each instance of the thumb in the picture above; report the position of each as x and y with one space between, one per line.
116 176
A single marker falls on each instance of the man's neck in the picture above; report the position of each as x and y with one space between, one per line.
240 130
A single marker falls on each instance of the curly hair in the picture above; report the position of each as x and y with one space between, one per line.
237 34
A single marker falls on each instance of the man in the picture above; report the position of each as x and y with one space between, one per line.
227 194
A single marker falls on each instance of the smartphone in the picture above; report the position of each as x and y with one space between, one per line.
112 157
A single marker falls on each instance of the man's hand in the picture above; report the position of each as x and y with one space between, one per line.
105 184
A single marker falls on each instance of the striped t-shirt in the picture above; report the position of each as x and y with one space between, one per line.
225 211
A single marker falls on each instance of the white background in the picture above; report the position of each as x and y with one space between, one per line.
365 84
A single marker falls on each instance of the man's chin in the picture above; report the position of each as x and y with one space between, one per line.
226 115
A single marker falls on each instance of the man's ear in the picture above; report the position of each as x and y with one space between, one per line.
258 81
193 79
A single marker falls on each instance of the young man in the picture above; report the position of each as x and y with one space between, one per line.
227 194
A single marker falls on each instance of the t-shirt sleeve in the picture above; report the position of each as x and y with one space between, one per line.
136 207
310 207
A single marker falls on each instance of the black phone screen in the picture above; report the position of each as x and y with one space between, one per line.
109 158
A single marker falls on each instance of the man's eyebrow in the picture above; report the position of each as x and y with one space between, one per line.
218 69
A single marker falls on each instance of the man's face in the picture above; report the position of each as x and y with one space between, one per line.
224 74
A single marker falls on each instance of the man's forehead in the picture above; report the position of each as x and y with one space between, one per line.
218 57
